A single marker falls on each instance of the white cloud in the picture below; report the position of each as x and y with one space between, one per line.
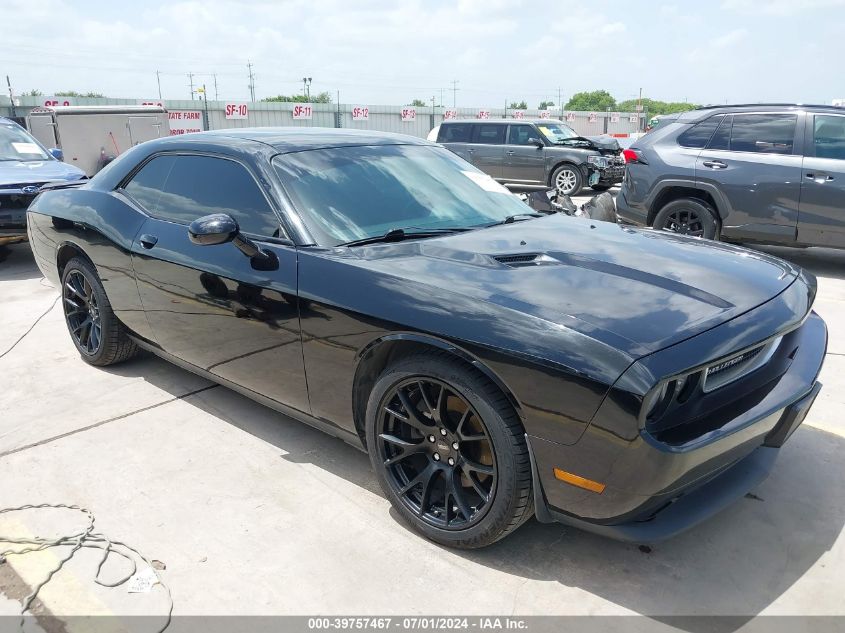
780 7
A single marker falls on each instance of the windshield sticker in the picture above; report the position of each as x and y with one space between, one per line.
485 182
545 130
26 148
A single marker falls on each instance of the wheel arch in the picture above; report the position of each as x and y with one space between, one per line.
65 252
372 359
676 190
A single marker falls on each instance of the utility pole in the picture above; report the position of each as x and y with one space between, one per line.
441 97
454 93
559 101
306 87
205 106
191 84
158 81
215 86
251 81
11 95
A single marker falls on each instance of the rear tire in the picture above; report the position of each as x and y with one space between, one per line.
600 187
567 179
98 335
688 216
473 480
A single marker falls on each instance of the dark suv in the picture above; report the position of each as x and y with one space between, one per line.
541 153
750 173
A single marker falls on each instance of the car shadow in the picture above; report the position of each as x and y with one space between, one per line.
17 263
822 262
736 564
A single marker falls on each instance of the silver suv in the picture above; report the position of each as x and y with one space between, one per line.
762 173
535 154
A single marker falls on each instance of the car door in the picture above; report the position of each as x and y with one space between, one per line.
524 157
821 218
487 147
753 160
455 136
208 305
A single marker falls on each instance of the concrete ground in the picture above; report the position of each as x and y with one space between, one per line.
253 513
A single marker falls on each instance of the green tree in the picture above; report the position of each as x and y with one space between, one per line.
595 101
74 93
518 106
32 93
654 106
418 103
546 104
322 97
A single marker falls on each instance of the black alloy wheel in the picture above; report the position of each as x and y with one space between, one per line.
437 452
685 222
82 312
688 216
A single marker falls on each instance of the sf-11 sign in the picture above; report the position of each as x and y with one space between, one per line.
304 111
236 111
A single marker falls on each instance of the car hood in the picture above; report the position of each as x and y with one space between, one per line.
15 172
637 290
604 142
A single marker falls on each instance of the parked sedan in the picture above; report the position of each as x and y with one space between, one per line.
494 363
25 165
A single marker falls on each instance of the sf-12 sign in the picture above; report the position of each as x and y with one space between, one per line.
409 114
360 113
236 111
450 114
483 114
303 111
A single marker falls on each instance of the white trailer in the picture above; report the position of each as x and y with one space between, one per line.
91 136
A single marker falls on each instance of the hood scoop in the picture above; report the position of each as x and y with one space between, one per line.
522 260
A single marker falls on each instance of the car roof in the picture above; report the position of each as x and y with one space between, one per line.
706 111
483 121
297 139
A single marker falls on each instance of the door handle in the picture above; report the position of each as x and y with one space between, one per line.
510 152
820 178
148 241
714 164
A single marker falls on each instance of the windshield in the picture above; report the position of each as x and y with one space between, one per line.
353 193
556 132
16 144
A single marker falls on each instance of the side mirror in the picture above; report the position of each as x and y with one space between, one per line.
57 153
217 228
537 142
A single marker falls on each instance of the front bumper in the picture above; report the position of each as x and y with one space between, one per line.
655 490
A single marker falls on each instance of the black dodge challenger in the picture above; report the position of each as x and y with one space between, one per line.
494 362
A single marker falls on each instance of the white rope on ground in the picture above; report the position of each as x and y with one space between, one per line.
86 538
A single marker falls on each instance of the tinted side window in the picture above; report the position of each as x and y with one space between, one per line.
146 186
195 186
829 136
454 133
490 134
699 134
519 134
763 133
722 138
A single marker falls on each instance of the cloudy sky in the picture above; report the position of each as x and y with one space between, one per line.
377 52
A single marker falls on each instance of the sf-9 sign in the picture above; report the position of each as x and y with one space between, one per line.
236 111
303 111
360 113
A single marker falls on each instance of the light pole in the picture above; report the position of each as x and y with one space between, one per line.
306 87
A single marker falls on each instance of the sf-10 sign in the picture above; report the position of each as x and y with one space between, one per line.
409 114
236 111
303 111
360 113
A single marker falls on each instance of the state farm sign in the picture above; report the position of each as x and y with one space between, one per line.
236 111
184 121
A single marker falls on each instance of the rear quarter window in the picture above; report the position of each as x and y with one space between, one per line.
699 134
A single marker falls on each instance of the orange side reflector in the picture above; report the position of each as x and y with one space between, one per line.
575 480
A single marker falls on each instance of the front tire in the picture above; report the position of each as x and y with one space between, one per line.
567 179
94 329
449 451
688 216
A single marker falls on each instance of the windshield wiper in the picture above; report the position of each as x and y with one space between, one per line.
397 235
517 217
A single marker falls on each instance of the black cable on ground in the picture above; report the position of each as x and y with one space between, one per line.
86 538
23 336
